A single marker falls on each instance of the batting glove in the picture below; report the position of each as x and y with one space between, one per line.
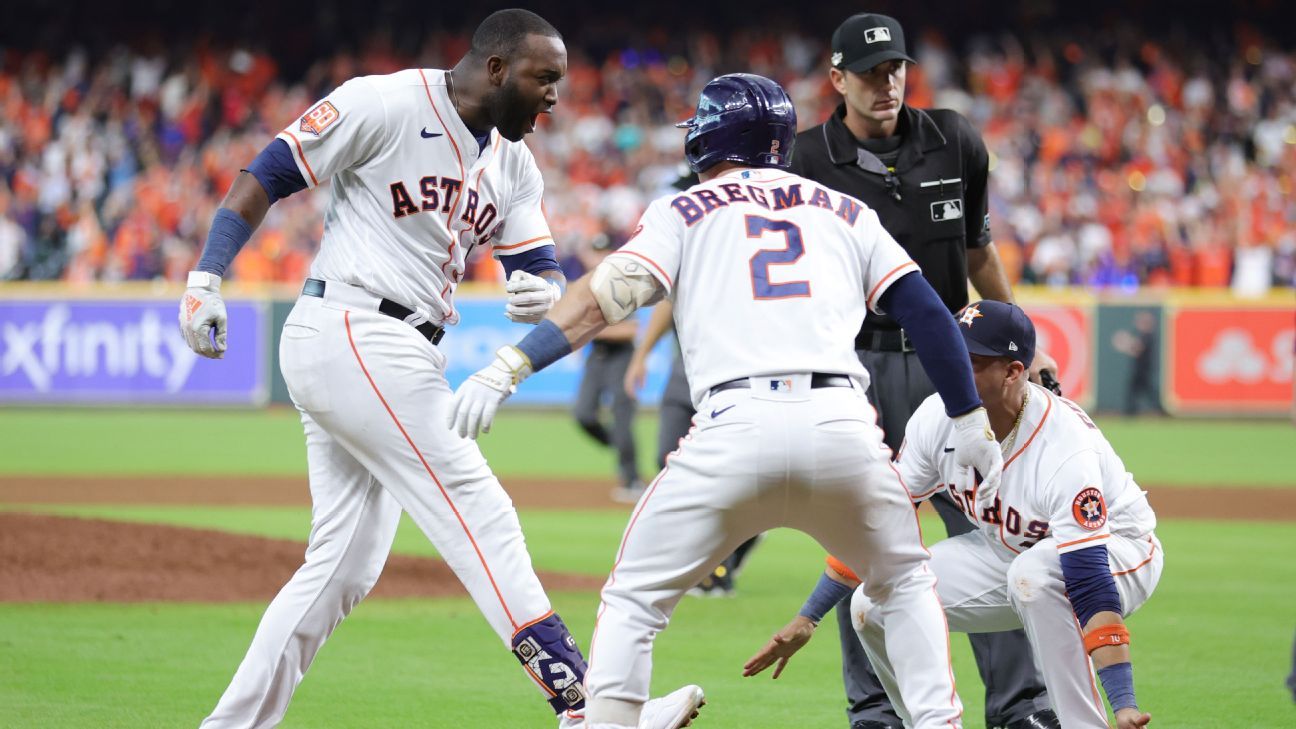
477 399
201 312
975 446
530 297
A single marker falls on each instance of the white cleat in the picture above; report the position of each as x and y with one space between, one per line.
674 710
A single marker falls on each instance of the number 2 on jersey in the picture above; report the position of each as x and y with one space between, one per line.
757 227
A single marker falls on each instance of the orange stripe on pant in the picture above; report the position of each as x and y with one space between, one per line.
468 532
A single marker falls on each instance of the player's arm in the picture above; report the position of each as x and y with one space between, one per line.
1092 592
835 584
272 175
911 301
659 323
607 295
1079 525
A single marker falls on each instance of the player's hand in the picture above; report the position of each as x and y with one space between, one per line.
975 446
1131 718
781 647
530 297
202 313
1042 363
636 373
477 399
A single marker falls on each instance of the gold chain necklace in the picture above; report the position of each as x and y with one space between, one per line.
1012 434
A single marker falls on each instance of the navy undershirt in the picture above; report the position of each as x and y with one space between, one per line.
913 303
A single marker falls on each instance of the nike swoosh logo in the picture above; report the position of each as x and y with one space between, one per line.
949 450
428 135
722 411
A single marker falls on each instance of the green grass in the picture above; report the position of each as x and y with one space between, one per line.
1211 649
524 443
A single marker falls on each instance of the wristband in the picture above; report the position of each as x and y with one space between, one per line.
544 345
827 593
1106 635
1118 682
225 239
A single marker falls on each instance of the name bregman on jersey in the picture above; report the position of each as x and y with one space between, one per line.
698 203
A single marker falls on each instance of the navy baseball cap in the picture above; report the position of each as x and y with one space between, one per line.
867 39
996 329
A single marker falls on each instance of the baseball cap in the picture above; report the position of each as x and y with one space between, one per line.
867 39
996 329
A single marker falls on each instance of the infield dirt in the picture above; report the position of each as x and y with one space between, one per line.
64 559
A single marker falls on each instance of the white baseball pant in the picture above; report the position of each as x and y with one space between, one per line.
984 593
756 459
373 396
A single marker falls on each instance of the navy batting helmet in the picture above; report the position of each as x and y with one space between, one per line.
743 118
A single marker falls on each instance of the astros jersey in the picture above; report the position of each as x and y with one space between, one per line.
770 274
1062 478
413 191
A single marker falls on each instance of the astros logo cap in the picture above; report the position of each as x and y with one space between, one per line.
996 329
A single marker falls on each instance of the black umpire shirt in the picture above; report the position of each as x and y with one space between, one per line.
927 184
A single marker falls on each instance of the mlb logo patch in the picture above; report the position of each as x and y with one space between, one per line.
780 385
318 119
947 210
877 35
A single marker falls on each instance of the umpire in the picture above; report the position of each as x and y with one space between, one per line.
925 173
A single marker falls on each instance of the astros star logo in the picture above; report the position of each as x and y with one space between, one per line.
1089 508
969 314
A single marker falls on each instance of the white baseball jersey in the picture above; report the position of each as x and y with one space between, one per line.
413 191
765 268
1062 478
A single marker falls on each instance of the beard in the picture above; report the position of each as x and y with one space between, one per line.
509 112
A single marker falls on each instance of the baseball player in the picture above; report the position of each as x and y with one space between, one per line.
770 275
1064 547
426 165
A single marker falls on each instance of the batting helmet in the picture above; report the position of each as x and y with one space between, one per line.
743 118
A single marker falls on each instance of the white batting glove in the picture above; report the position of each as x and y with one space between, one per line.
477 399
201 311
530 297
975 446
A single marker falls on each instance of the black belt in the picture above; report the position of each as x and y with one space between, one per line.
884 340
433 333
817 380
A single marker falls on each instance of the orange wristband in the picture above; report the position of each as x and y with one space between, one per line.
838 566
1106 635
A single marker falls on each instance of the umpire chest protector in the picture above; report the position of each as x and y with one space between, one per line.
932 199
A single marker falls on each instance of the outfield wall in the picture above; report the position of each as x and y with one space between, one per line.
1190 353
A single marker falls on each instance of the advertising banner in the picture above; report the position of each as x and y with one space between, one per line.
1065 332
124 351
470 345
1235 359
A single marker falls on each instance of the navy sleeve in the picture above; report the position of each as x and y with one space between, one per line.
1089 582
277 172
913 303
533 261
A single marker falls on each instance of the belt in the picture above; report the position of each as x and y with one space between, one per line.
884 340
817 380
432 332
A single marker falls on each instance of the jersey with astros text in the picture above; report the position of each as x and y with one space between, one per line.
1061 479
770 273
412 190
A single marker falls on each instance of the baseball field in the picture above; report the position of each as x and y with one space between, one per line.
138 550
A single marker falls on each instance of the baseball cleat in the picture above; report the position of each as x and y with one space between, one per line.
674 710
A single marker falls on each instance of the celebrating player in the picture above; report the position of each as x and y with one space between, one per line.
770 275
1066 549
426 164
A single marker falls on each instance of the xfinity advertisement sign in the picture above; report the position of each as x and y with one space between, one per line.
121 351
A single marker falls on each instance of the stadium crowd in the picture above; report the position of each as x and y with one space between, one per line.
1117 161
